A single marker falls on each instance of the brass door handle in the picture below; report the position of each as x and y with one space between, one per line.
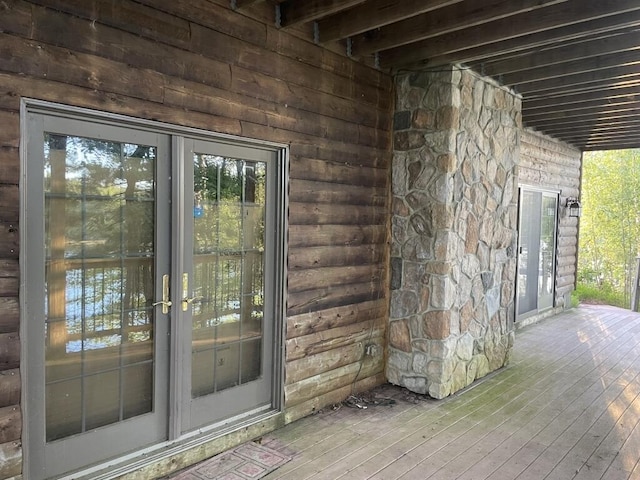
165 302
187 301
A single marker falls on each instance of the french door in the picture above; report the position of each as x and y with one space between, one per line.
153 287
224 296
536 251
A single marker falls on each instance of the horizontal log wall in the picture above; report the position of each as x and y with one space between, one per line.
200 64
549 163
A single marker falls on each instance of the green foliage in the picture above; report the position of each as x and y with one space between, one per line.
575 299
610 224
598 294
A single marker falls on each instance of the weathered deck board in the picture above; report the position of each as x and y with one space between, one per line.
566 407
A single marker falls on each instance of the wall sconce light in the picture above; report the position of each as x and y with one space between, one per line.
574 207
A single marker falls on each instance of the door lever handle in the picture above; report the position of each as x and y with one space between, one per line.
165 302
187 301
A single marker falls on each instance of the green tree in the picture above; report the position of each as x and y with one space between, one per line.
610 224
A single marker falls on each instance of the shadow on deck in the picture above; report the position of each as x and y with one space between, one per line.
567 406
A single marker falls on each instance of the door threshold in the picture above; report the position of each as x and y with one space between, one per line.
169 457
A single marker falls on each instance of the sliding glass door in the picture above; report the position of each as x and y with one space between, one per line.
536 251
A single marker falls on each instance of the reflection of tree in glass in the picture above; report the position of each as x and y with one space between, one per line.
229 237
106 203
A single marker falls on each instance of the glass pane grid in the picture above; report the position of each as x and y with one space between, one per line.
228 272
99 241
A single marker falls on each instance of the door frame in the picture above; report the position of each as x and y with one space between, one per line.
543 191
176 442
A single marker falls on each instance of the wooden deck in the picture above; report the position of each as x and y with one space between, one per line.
567 406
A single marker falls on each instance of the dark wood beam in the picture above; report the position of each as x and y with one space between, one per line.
585 121
555 16
441 21
609 143
296 12
607 95
603 108
572 68
560 116
595 127
588 89
584 141
613 146
598 46
514 46
374 14
244 3
600 136
571 83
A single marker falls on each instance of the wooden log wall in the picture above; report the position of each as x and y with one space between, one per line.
548 163
200 64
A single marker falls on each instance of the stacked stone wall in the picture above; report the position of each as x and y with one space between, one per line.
456 146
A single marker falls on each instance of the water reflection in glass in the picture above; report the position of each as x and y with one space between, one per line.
99 241
228 249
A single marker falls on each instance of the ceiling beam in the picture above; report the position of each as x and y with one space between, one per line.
605 143
297 12
571 68
607 95
631 81
613 146
515 45
374 14
589 136
548 18
586 121
605 109
600 143
441 21
620 41
570 83
244 3
594 127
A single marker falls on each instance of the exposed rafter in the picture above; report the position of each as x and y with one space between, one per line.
582 99
576 63
604 78
555 16
515 46
374 14
444 20
295 13
589 48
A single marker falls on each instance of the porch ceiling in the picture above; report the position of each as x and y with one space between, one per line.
575 62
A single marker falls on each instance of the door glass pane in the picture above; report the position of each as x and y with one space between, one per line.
547 251
228 262
99 282
529 252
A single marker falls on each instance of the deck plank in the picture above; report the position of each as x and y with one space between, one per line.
567 406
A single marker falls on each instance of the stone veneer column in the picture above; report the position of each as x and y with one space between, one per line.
453 258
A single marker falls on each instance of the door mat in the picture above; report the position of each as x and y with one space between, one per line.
247 461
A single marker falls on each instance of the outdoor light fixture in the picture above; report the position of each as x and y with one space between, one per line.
574 207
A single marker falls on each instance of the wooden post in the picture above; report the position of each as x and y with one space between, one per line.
635 295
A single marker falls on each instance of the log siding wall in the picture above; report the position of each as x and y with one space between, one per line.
199 64
548 163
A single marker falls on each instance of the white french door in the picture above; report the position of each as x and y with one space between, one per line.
154 287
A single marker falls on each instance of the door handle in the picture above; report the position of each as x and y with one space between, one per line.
186 300
165 302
